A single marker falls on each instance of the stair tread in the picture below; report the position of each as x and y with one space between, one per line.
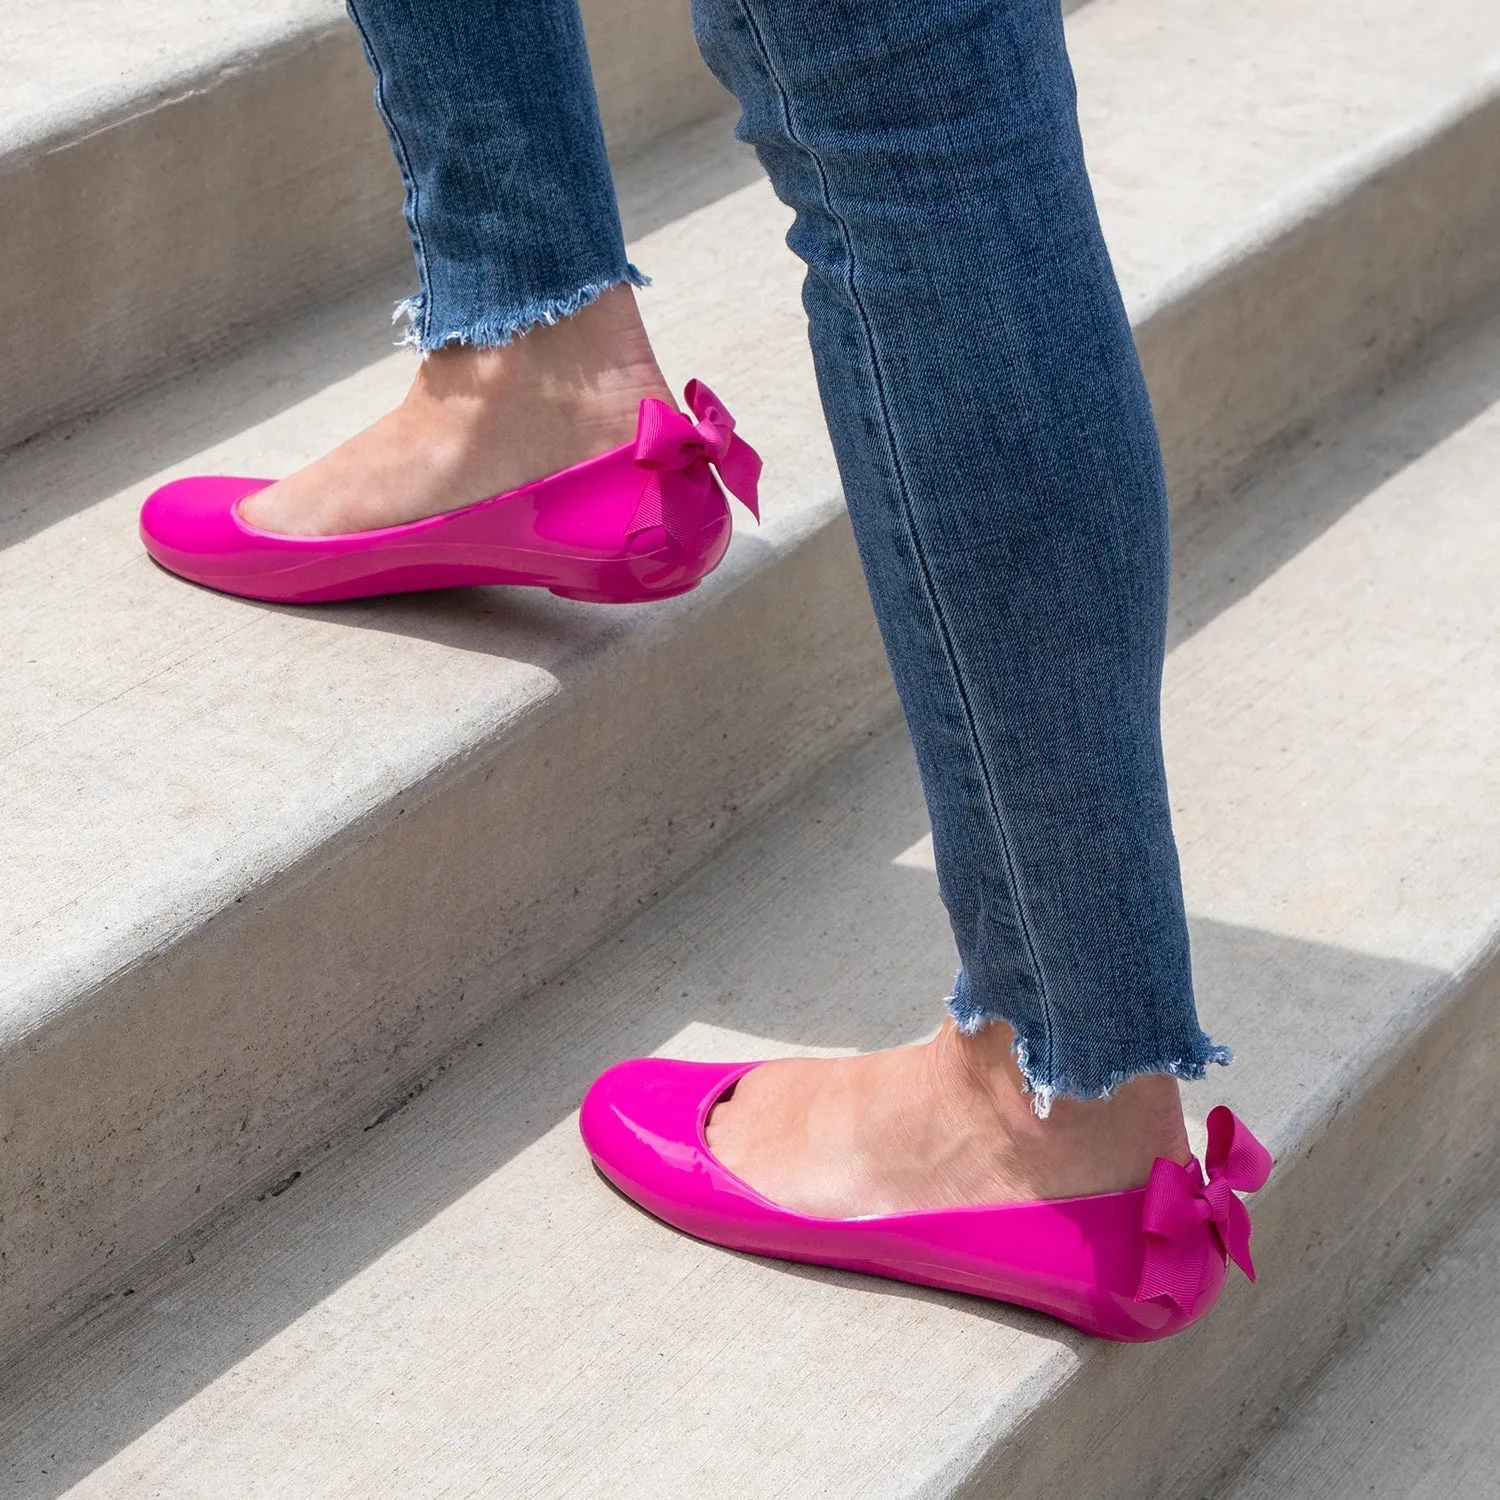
71 69
452 1302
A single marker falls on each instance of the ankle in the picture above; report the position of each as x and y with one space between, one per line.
599 357
1082 1146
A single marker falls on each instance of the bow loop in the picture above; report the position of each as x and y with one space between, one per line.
1188 1219
715 426
1234 1155
669 447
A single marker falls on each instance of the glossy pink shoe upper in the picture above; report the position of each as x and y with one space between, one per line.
1135 1265
643 521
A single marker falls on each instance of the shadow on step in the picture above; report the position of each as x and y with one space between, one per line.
522 625
1225 546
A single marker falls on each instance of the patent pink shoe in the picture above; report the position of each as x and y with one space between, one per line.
1135 1265
644 521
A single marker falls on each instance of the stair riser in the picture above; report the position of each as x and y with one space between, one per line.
251 192
1248 360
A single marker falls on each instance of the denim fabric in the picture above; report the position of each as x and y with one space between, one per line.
991 425
490 109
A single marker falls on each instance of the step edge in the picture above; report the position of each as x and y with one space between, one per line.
37 135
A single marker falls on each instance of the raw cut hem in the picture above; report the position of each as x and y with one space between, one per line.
1044 1090
495 331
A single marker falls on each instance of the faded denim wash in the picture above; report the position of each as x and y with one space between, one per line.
987 409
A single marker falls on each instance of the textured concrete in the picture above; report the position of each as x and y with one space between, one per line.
449 1302
173 171
1294 196
260 865
1411 1409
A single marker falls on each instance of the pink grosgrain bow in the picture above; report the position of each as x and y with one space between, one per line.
670 447
1189 1221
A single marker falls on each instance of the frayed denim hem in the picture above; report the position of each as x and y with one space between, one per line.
972 1019
496 332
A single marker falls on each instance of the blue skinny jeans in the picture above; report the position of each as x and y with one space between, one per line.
986 405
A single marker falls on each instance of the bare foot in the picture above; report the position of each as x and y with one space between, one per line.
933 1126
478 422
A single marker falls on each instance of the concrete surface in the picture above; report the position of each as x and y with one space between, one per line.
448 1302
1411 1408
173 172
262 865
1294 196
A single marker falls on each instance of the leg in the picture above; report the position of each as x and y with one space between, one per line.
1002 472
534 356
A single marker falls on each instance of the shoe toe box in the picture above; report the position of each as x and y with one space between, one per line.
641 1121
191 521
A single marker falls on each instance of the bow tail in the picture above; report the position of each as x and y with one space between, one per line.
1232 1224
649 510
739 468
1174 1269
667 501
1237 1163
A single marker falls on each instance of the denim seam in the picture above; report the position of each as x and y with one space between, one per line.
893 455
403 160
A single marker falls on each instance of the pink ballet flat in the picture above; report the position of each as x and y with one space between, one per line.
644 521
1134 1266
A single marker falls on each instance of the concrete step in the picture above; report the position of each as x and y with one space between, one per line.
448 1301
173 172
1410 1409
263 866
